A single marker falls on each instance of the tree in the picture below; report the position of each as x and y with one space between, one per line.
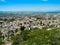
38 37
1 39
22 28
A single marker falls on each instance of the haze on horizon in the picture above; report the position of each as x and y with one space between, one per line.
30 5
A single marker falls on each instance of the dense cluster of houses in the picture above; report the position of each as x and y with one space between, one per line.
13 23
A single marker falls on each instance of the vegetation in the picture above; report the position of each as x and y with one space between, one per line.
37 37
1 39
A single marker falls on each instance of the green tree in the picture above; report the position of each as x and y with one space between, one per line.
1 39
38 37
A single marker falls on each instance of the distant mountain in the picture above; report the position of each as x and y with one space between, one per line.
26 12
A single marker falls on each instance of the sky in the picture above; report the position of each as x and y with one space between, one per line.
30 5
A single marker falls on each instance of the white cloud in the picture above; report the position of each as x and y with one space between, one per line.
2 0
45 0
